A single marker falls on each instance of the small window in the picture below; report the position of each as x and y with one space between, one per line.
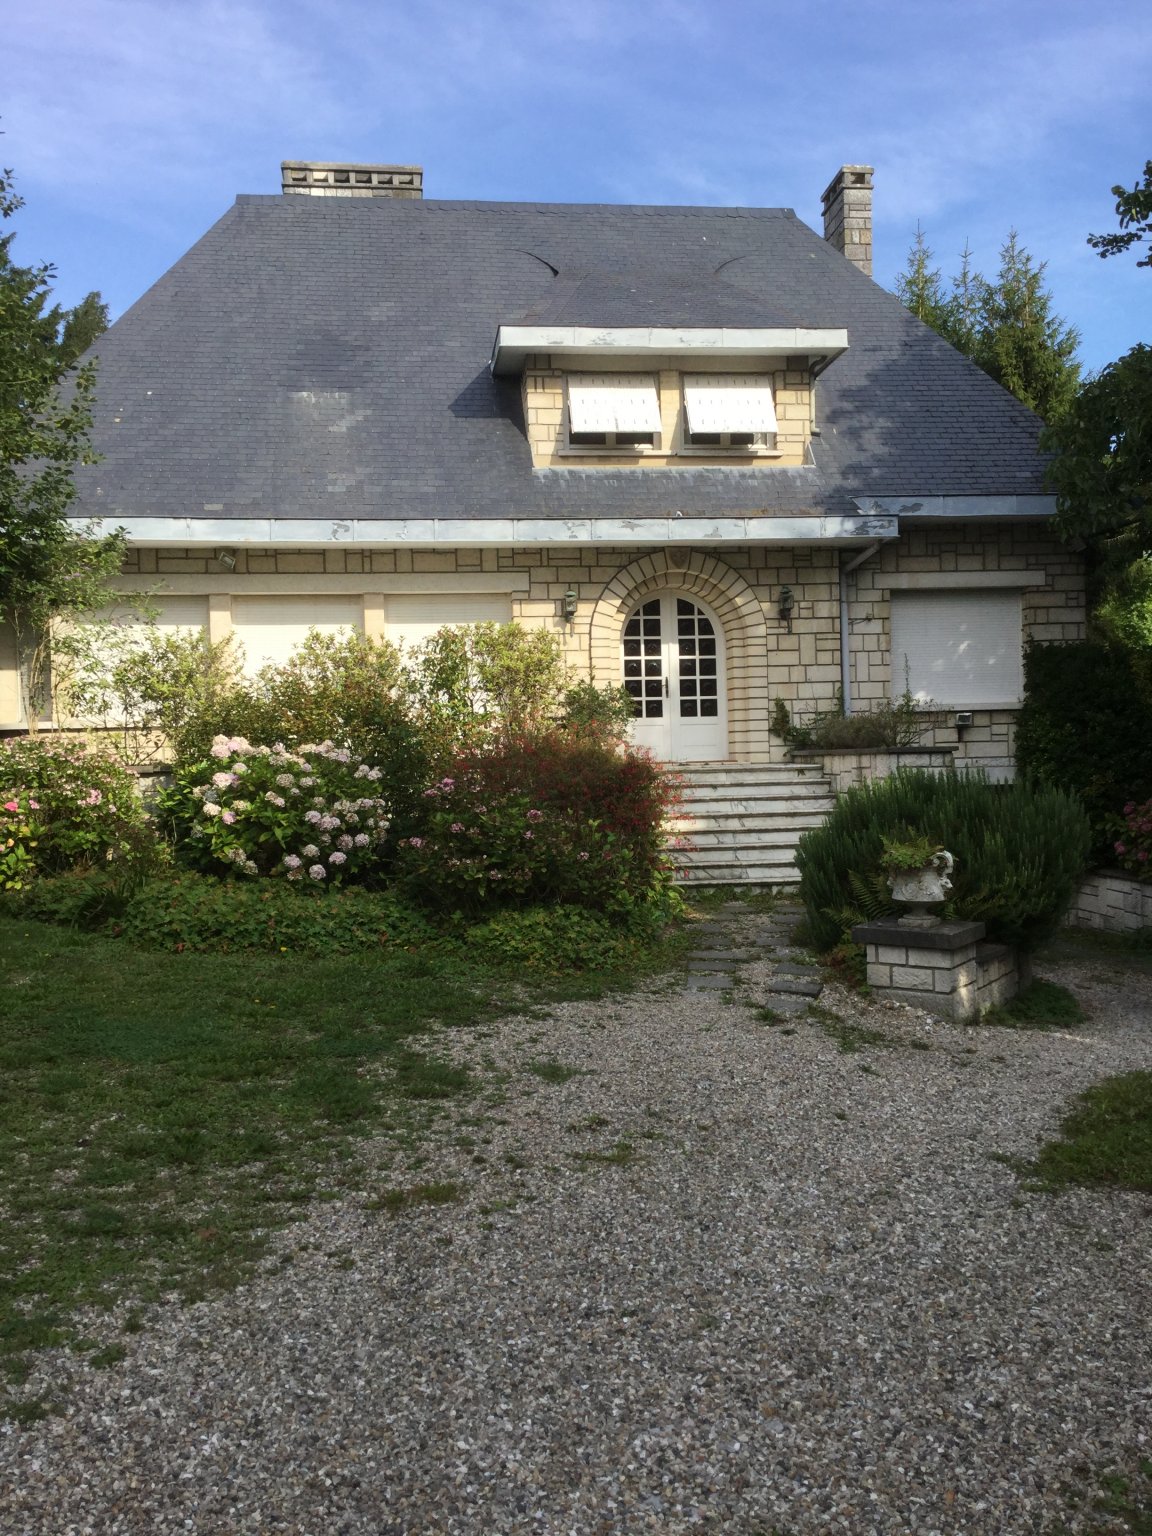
613 411
729 412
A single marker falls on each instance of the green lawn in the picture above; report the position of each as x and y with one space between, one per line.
160 1113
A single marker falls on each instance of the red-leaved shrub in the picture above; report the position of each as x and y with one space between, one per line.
542 817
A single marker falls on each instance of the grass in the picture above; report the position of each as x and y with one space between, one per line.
162 1114
1042 1005
1124 1497
553 1071
1105 1141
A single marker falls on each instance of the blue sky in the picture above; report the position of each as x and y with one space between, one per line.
132 124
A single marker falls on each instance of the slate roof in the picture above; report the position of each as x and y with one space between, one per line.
328 357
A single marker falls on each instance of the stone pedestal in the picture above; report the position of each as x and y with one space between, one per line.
948 970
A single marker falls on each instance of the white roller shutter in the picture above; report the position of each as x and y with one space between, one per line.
961 648
409 621
168 613
728 403
270 628
613 402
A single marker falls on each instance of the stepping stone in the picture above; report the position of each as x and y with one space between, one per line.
735 906
714 957
711 926
796 968
711 981
796 986
787 1007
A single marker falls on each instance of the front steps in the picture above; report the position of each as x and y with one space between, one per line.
742 821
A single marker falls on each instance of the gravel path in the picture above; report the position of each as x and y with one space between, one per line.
726 1278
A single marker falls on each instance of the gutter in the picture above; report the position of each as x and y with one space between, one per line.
845 671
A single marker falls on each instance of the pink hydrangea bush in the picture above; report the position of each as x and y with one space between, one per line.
62 807
1133 845
313 816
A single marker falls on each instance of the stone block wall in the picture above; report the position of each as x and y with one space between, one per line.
1112 901
948 970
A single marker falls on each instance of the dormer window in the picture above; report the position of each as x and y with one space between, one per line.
729 412
613 411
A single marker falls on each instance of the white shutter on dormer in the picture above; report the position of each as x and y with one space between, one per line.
716 402
613 402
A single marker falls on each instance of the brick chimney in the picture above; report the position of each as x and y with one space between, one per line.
848 215
322 178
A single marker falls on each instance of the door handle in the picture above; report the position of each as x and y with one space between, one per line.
667 693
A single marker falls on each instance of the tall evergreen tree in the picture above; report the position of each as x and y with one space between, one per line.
81 327
1007 327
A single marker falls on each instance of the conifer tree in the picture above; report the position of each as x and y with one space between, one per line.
1006 327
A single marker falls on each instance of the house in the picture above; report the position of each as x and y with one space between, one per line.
700 444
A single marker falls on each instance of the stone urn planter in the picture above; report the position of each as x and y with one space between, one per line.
918 879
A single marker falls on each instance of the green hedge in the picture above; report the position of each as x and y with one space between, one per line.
1020 852
1086 727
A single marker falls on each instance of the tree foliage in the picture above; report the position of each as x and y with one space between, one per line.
1102 465
47 568
1134 211
1007 326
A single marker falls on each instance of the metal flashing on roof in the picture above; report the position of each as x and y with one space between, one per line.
465 533
1005 509
515 343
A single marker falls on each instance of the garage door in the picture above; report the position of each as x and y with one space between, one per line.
411 620
270 628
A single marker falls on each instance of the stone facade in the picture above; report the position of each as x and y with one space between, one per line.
768 657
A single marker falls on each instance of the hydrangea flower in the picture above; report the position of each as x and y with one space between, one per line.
274 799
361 839
318 872
223 780
337 858
535 815
312 817
293 860
311 851
285 780
345 842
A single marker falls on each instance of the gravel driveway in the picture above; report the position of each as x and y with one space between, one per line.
727 1278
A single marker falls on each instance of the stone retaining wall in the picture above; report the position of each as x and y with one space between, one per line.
1113 902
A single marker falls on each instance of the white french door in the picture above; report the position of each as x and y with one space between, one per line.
673 663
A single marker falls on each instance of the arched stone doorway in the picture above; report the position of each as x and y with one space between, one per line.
727 601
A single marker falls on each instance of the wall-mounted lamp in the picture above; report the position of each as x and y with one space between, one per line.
569 602
963 719
226 558
786 606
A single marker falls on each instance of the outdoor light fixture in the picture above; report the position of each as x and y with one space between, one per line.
226 558
569 600
786 606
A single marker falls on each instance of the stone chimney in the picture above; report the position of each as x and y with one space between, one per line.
848 215
322 178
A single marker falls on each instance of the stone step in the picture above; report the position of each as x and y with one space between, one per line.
733 770
737 850
738 874
745 829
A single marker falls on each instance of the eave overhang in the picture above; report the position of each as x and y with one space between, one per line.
516 343
488 533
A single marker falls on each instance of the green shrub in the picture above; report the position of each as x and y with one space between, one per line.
313 815
73 807
553 940
469 680
78 898
886 727
354 692
539 818
609 710
199 913
1086 727
1020 851
148 685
